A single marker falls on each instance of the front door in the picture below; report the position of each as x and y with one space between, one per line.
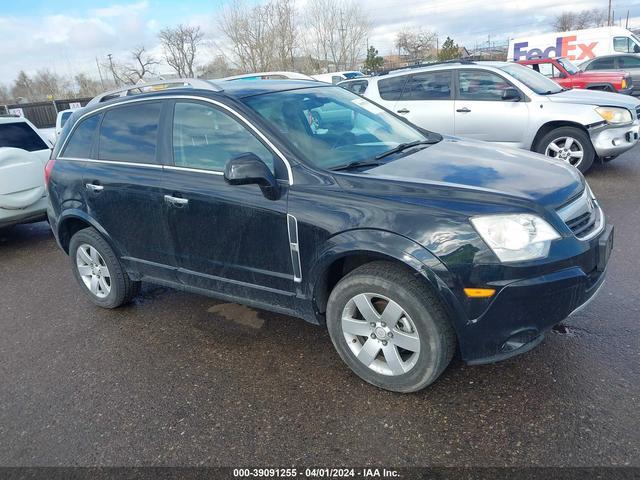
230 239
482 114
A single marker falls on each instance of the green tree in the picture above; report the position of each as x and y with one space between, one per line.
373 61
449 50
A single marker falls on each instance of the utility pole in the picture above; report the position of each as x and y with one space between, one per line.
113 72
626 24
609 15
100 73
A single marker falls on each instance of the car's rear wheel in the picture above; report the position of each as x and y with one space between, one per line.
570 145
98 270
389 327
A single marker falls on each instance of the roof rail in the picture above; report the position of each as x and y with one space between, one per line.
463 61
142 88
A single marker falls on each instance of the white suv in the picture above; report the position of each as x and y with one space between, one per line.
509 104
24 152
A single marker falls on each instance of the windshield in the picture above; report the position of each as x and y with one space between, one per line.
568 66
532 79
333 127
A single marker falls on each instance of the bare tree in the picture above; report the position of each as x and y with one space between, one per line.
418 44
180 47
337 32
262 37
217 68
571 20
142 65
22 87
87 87
5 96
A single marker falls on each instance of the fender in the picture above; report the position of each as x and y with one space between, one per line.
606 87
395 247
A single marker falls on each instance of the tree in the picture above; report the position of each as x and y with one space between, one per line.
5 96
337 32
218 68
449 50
132 73
22 87
87 87
373 62
418 44
571 20
180 48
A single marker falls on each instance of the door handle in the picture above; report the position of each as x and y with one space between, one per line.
463 110
176 201
404 110
94 188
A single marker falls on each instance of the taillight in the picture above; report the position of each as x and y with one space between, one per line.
47 170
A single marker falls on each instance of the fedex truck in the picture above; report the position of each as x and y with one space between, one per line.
578 45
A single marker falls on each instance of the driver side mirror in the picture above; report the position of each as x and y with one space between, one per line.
511 95
248 169
636 48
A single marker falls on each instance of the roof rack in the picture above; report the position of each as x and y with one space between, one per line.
462 61
159 84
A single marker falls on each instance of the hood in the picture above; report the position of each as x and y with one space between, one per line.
602 74
469 164
594 97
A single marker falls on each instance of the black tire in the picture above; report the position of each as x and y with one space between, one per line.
436 334
123 289
589 154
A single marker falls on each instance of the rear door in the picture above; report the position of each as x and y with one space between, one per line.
480 112
427 101
230 239
123 185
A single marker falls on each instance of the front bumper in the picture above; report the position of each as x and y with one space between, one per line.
609 140
523 311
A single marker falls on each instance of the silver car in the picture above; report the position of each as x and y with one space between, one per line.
511 105
628 62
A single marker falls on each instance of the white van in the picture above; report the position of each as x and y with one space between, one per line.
579 45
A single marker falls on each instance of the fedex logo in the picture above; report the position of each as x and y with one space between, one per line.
564 47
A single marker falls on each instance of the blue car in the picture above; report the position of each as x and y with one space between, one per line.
305 199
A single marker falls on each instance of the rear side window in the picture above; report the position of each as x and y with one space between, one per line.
21 135
629 62
479 85
130 133
428 86
602 64
81 140
391 88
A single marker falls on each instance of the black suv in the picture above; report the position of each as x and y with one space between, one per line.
308 200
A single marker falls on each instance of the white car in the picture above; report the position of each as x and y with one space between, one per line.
62 118
511 105
337 77
24 152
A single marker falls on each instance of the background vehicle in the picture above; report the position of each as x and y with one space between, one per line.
566 74
510 104
23 155
306 199
577 45
628 63
337 77
268 76
62 118
356 85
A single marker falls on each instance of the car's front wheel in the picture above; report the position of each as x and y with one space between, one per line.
389 327
569 144
98 270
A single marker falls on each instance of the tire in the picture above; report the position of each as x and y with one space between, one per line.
94 263
558 137
423 325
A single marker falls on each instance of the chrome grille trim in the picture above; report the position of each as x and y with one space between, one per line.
583 216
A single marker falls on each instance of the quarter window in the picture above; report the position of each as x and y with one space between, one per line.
206 138
20 135
391 88
428 86
81 140
478 85
130 133
357 86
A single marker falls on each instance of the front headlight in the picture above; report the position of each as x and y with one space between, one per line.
614 114
516 237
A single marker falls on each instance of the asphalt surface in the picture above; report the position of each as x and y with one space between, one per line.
178 379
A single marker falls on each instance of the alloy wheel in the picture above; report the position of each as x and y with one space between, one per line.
93 270
567 149
380 334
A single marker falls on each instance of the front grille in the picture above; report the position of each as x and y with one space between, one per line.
583 216
638 111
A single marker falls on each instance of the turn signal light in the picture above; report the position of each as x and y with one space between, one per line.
479 292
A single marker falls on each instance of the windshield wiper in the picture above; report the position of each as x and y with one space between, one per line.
403 146
358 164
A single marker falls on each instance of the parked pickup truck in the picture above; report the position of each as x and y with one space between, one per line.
568 75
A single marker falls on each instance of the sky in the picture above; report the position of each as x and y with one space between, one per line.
68 36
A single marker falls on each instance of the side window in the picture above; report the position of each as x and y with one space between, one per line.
479 85
629 62
129 133
428 86
207 138
602 64
20 135
391 88
81 140
357 86
623 45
